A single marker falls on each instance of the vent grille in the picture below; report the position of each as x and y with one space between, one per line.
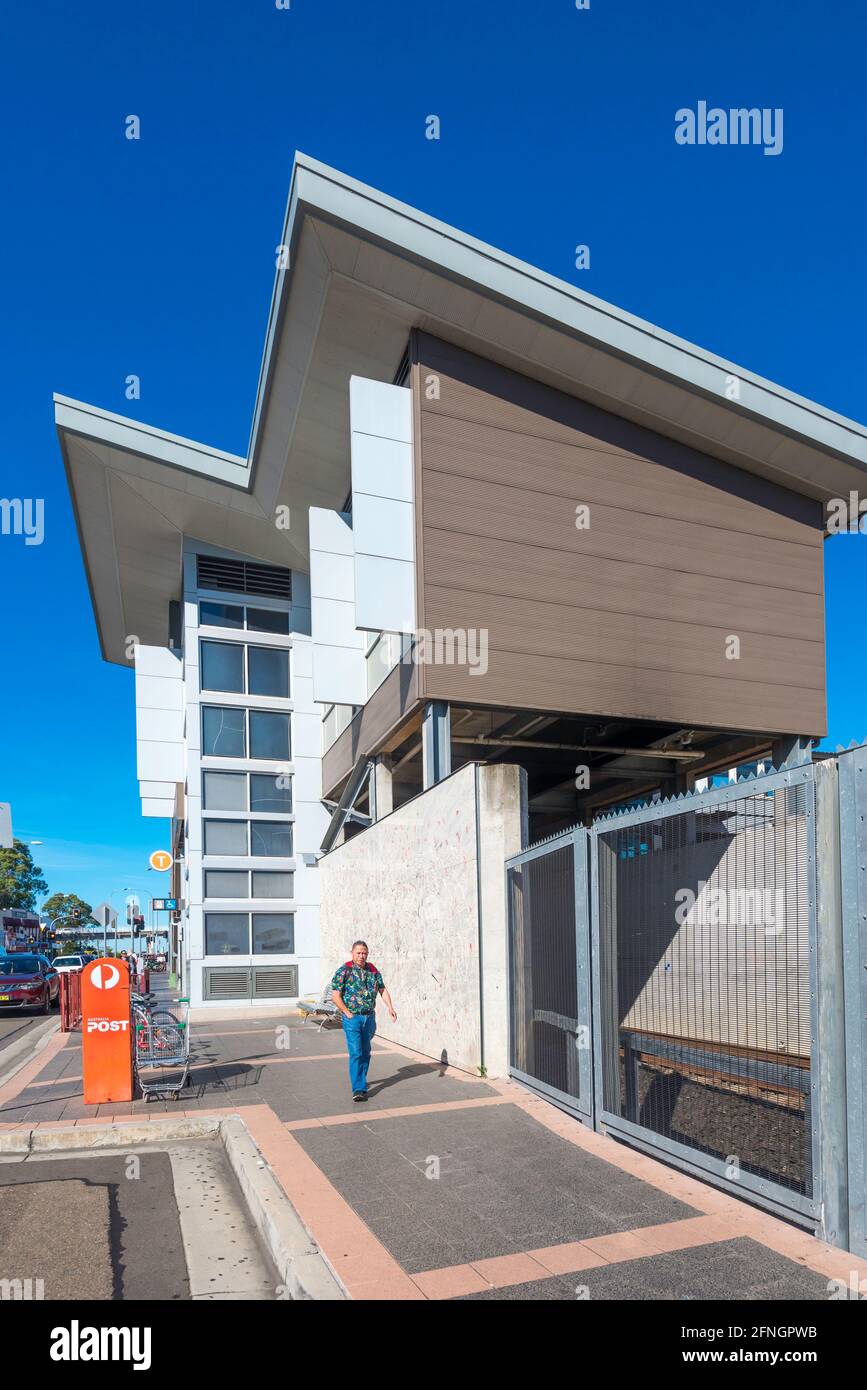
226 982
243 577
275 981
250 982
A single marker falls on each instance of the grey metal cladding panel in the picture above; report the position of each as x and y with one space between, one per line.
386 708
517 570
474 389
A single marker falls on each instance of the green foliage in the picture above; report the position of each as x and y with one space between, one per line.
21 882
62 906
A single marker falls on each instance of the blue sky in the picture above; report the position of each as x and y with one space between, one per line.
156 258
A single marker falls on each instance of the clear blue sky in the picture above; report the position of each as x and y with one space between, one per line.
157 258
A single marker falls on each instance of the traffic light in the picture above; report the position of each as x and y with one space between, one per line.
138 922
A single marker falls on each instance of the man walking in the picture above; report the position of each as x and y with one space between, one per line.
354 989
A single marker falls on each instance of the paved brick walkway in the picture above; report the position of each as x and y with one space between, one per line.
448 1186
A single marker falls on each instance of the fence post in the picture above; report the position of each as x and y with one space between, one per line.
852 773
828 1116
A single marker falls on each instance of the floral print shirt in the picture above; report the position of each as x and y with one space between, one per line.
358 986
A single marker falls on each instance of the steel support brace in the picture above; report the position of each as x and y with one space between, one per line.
436 743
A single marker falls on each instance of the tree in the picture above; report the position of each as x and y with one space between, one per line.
63 905
21 882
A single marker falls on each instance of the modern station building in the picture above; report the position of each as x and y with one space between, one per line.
500 556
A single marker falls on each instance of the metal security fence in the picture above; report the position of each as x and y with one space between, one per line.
853 854
705 931
664 984
549 971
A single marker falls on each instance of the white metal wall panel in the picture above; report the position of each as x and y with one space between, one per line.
382 505
338 648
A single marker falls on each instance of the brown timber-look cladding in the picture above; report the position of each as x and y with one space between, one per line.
629 617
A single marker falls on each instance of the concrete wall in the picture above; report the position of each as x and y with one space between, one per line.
410 885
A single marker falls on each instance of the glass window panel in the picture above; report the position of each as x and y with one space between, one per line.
269 734
265 620
273 933
271 839
225 791
226 883
223 666
225 837
227 934
271 792
221 615
223 732
268 669
271 885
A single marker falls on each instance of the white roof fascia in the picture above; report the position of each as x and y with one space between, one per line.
325 191
78 418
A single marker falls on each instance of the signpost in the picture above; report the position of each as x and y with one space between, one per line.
160 860
165 904
106 917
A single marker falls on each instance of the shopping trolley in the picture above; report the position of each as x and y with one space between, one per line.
161 1044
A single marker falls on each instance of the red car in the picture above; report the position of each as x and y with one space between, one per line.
28 982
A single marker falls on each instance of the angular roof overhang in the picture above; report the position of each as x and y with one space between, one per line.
361 271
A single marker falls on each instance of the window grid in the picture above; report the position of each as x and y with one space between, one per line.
277 615
257 833
247 880
245 933
282 797
246 649
219 730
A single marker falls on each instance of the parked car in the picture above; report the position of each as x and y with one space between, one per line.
28 981
69 962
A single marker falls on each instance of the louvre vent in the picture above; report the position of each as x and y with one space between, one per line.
250 982
226 982
243 577
275 981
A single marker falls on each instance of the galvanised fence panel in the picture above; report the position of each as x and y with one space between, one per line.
549 991
852 772
704 949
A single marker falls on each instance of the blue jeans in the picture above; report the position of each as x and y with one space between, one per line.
359 1030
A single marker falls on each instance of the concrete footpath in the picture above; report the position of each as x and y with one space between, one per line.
444 1185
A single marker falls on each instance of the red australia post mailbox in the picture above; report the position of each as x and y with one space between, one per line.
106 1032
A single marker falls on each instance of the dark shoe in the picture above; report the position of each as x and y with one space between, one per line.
359 1095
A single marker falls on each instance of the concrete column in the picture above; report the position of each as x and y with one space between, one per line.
381 789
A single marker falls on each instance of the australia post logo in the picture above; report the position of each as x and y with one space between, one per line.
104 976
107 1025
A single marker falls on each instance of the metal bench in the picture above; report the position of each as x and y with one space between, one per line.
325 1006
